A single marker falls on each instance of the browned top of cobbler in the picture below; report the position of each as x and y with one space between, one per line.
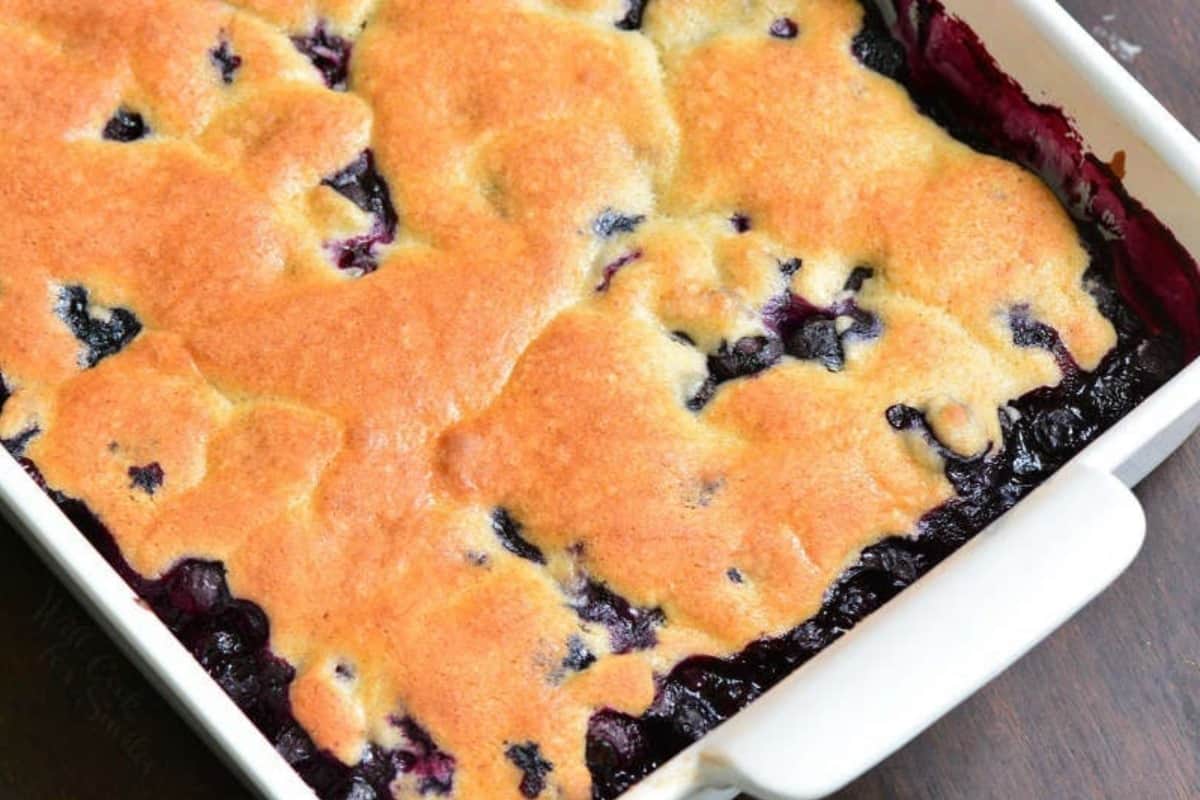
524 358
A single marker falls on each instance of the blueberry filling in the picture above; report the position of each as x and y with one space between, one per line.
126 126
329 53
361 184
784 28
740 222
101 336
508 531
611 223
747 357
629 627
148 478
812 333
527 757
735 575
611 269
229 637
579 656
1028 332
634 15
225 60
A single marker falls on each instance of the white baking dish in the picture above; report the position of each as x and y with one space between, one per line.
945 637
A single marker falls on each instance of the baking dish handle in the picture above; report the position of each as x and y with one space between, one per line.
934 645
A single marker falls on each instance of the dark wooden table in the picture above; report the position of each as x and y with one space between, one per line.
1109 707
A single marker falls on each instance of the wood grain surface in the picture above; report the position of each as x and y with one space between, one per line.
1109 707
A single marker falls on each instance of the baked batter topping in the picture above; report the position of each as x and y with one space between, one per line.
506 353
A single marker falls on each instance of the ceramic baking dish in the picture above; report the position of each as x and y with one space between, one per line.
945 637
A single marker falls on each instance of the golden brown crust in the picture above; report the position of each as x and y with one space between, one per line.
340 443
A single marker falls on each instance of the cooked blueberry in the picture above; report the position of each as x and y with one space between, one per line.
508 531
858 277
1028 332
679 336
6 392
1061 430
294 744
343 671
225 60
477 559
748 356
356 788
329 53
126 126
791 266
618 753
611 223
527 757
740 222
634 15
904 418
362 184
102 336
433 768
579 657
239 678
784 28
215 646
817 339
198 587
705 393
629 627
148 478
17 444
876 48
735 575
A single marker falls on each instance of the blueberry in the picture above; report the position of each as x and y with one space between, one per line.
579 657
198 587
1028 332
5 392
634 15
294 744
216 646
329 53
858 276
362 184
1060 431
740 222
343 671
617 752
704 394
238 676
225 60
17 444
735 575
784 28
904 418
527 757
126 126
355 789
817 339
791 266
629 627
876 48
748 356
508 531
101 337
148 478
610 223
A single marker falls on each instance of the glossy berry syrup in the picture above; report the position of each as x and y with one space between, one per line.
1143 280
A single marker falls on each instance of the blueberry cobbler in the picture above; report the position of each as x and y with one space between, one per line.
495 396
